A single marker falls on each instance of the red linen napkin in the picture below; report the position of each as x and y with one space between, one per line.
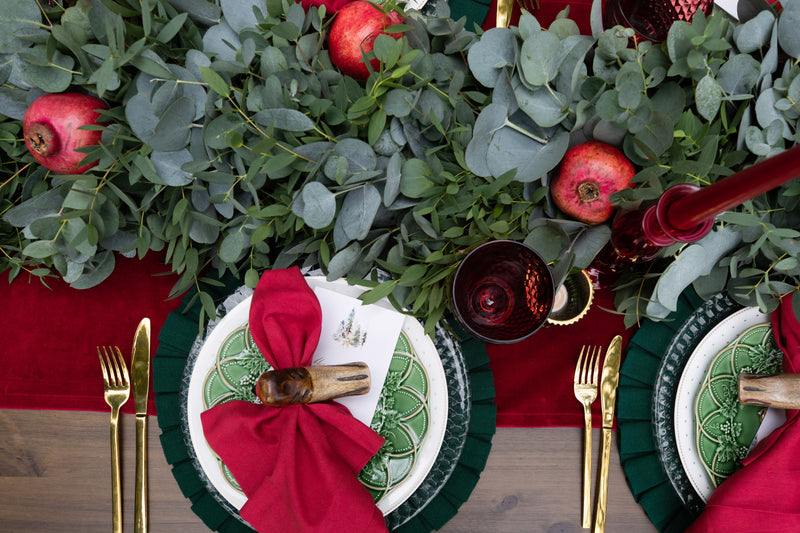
296 464
763 497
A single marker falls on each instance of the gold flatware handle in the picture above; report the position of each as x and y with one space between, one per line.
140 499
586 517
504 8
116 479
602 485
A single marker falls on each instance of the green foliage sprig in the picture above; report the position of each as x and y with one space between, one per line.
234 144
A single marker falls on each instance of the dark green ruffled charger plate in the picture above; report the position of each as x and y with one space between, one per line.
445 489
655 358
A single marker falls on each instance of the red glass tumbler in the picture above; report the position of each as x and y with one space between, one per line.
651 19
502 292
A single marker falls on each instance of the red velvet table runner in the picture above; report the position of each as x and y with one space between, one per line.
49 350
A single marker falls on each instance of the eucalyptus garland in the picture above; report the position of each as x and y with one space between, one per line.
233 144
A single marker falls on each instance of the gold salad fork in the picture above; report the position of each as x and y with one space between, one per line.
585 385
117 385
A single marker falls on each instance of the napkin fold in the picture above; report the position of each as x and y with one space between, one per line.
762 497
296 464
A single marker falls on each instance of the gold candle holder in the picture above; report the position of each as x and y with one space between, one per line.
572 300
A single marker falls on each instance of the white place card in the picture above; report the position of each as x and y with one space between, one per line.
352 332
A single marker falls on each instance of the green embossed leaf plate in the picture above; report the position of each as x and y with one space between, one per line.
690 384
726 429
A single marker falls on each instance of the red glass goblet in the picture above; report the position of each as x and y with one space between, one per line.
651 19
502 292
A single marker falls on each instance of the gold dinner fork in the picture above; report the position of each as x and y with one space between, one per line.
117 387
585 385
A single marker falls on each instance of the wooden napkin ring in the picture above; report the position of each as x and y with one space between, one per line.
311 384
777 390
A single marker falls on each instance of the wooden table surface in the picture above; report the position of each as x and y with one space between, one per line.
55 477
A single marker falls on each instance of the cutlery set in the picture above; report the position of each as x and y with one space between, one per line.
117 387
588 384
585 384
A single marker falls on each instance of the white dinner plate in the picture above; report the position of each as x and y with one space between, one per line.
725 332
237 318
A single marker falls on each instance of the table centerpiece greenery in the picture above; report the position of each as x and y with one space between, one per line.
232 143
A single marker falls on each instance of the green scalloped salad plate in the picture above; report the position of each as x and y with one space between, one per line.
726 429
727 327
413 412
402 416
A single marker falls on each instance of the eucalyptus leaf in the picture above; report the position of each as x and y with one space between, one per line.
52 75
416 178
399 102
233 245
539 58
766 113
207 13
319 205
221 42
41 205
492 118
708 97
13 102
286 119
544 106
393 177
239 14
513 150
204 227
140 116
359 155
358 211
694 261
739 74
96 272
755 33
172 131
194 60
496 50
789 22
16 18
589 242
168 165
341 263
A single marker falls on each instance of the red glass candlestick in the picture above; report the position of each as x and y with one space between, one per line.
685 212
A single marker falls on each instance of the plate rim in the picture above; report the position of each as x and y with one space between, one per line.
746 317
686 338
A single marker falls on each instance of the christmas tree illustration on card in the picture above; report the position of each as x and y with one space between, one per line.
349 332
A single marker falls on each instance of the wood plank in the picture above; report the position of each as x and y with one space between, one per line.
55 477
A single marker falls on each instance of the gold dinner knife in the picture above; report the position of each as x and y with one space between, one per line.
140 368
608 396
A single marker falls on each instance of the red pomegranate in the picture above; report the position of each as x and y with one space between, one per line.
353 34
590 173
50 127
